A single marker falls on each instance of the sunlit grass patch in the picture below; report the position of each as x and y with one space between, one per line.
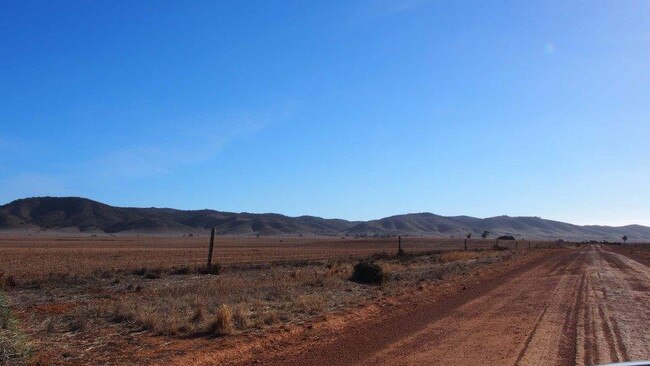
14 346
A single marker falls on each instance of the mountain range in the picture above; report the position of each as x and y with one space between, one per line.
75 215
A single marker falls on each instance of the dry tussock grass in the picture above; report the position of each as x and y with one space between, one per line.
241 300
223 322
180 302
14 346
311 303
194 305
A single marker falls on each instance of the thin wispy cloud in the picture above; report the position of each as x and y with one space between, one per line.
131 162
193 142
190 143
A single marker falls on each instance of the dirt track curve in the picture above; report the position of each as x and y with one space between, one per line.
575 307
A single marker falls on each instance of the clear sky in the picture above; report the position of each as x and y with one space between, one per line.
353 109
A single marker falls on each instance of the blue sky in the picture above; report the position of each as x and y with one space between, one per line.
353 109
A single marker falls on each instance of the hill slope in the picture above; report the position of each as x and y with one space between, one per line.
84 215
73 214
519 227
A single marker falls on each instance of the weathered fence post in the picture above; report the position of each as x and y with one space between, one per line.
399 246
211 248
465 244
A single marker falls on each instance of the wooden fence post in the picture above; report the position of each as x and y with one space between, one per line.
465 244
211 248
399 245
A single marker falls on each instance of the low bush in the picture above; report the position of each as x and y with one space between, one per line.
148 273
151 274
214 269
76 324
7 282
368 273
139 271
180 270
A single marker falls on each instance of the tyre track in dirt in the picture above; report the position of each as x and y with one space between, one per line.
574 307
621 291
556 311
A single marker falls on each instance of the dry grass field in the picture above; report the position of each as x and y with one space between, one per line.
122 300
276 301
32 258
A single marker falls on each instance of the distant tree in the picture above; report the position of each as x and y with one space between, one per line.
624 239
485 234
468 236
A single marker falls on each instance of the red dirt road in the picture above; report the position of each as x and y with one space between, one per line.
573 307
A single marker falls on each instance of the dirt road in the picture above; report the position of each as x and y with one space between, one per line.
584 306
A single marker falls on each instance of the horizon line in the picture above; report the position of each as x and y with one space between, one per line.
328 218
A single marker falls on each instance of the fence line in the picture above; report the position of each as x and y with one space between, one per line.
80 256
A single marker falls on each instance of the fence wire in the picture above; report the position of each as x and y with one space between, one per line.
37 257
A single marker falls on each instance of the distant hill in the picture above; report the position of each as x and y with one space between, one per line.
429 224
81 215
73 214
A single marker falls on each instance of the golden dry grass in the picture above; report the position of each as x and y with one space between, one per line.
459 256
14 346
70 291
71 311
36 257
251 298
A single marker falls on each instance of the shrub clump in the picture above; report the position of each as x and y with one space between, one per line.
213 269
368 273
148 273
7 282
180 270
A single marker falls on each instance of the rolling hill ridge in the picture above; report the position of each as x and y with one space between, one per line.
81 215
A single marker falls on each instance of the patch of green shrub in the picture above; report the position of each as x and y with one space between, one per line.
368 273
